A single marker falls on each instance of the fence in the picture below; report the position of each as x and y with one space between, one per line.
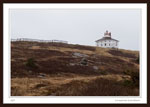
38 40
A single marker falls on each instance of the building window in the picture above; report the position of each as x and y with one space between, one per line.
101 44
105 44
109 44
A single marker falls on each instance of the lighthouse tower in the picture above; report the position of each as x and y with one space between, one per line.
107 34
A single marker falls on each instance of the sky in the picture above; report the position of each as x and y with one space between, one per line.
77 26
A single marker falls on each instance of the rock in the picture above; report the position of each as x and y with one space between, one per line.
84 61
77 54
41 75
72 64
30 71
95 67
101 63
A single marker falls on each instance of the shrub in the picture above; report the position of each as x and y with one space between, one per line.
31 63
137 60
134 76
127 83
103 72
127 72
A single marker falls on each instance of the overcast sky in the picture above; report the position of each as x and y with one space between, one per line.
77 26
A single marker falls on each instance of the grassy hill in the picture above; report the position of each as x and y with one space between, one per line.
50 69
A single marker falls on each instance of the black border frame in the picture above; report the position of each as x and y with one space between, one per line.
75 1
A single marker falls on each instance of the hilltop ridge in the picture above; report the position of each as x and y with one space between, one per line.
58 57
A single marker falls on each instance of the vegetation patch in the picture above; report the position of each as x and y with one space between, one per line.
97 87
31 63
122 54
134 77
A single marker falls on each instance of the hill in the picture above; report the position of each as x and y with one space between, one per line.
43 69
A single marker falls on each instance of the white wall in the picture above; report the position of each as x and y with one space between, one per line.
108 44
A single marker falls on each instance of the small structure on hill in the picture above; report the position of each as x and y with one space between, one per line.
107 41
38 40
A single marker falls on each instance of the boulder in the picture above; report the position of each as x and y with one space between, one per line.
84 61
77 54
72 64
41 75
95 67
30 71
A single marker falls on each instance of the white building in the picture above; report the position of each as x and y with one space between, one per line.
107 41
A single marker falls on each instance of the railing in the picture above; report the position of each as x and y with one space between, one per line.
38 40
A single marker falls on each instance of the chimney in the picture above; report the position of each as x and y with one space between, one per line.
106 33
110 34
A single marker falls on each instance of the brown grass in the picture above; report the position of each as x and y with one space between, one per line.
97 87
102 51
74 85
53 60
